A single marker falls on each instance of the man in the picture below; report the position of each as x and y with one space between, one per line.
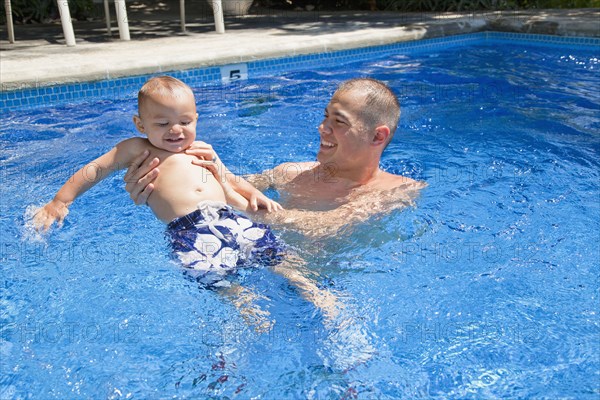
344 186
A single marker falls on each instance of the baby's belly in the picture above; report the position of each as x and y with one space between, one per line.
178 195
167 211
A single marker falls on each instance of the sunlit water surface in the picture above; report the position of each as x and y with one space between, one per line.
487 288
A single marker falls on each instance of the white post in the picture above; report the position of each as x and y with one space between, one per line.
67 24
182 14
107 15
121 8
9 22
218 13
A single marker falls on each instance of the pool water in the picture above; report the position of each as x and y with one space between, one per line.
487 288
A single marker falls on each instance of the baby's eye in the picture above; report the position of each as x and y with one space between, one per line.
186 123
162 124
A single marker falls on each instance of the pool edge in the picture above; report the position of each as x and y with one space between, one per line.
127 86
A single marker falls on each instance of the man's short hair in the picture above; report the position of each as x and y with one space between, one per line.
381 104
162 86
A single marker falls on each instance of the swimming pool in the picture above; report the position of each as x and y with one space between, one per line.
487 288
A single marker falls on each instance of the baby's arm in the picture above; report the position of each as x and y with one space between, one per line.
255 197
253 184
219 171
204 152
235 199
84 179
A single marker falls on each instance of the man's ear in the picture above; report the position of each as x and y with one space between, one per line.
138 123
381 135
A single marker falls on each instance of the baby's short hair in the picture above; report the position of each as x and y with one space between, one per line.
163 86
381 104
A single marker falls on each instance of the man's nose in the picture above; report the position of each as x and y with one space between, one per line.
324 127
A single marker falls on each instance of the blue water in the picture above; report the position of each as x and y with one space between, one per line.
487 288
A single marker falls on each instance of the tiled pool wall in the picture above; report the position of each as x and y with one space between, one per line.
127 87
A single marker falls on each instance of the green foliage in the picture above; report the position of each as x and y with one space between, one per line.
559 3
448 5
472 5
26 11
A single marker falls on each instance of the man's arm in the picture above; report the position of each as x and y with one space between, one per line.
358 209
253 186
260 181
279 175
316 223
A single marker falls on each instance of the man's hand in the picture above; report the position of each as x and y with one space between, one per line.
139 177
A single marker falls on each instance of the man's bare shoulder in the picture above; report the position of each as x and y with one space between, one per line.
389 181
280 175
390 191
286 172
296 167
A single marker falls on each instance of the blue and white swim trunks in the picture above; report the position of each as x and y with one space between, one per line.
214 241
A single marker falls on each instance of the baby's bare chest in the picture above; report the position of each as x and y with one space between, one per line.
177 171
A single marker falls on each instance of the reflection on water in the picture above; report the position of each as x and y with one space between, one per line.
485 287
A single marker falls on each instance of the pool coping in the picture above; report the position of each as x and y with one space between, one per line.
127 87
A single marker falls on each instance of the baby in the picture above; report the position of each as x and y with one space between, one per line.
207 234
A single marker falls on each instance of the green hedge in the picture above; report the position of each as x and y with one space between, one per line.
448 5
26 11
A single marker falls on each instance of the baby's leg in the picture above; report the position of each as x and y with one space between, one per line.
245 301
293 268
348 343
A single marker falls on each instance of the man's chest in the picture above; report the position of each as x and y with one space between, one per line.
312 194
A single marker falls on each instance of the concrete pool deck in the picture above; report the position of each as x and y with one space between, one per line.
40 58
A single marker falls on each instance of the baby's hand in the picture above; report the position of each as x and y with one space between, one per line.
202 150
218 170
55 211
215 166
256 199
259 200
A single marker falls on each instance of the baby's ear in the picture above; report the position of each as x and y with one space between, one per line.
138 123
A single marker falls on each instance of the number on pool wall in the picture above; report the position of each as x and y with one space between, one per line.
234 72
